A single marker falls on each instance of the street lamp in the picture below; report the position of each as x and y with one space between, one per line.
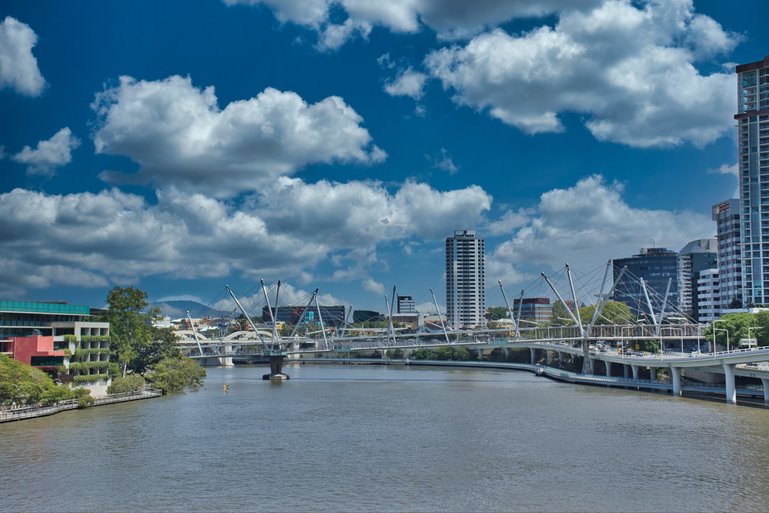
714 338
714 334
753 328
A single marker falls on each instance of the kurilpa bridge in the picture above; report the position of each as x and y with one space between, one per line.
684 348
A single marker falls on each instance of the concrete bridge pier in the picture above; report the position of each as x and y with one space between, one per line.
276 368
626 371
635 369
731 391
765 386
676 373
558 356
608 368
226 362
533 355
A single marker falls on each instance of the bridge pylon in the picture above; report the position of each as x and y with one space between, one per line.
276 367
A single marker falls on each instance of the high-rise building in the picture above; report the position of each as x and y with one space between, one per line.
406 305
708 290
465 280
694 258
753 154
656 266
727 217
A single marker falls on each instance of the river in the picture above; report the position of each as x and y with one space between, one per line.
369 438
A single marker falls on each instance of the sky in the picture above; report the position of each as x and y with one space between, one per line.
180 146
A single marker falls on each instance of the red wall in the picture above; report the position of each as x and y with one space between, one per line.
24 348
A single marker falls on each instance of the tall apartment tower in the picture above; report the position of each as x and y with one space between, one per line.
753 153
465 280
727 217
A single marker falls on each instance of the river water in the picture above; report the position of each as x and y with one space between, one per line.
367 438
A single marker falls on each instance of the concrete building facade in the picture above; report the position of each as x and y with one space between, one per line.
465 280
726 214
708 292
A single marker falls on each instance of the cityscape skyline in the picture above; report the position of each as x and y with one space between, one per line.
340 151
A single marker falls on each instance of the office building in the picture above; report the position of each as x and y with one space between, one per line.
657 267
753 157
694 258
331 315
56 334
709 301
533 309
465 280
726 214
406 305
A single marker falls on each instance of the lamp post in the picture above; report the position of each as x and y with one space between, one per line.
753 328
714 334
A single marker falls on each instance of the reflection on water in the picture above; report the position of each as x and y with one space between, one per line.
391 439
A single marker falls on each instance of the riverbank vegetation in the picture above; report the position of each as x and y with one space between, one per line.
24 385
141 349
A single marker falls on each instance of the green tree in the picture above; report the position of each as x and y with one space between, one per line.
494 313
736 325
561 316
130 324
25 384
174 374
613 312
162 345
130 383
762 334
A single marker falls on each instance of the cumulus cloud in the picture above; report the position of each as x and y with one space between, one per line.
361 213
451 19
113 237
49 155
629 68
18 67
408 83
178 135
374 286
591 223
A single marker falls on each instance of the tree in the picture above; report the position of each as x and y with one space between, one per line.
762 334
24 384
162 345
173 374
613 312
494 313
130 325
561 315
736 325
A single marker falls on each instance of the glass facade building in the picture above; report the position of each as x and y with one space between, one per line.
656 266
753 156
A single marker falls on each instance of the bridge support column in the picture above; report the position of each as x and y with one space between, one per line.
676 373
635 369
226 361
731 391
276 369
533 355
608 368
626 371
765 386
560 361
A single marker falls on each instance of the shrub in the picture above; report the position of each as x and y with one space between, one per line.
130 383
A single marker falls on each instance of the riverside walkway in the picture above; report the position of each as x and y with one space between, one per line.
31 412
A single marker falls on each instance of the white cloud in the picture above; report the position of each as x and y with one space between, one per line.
285 231
50 154
362 213
728 169
374 286
178 135
451 19
18 67
445 162
631 69
590 223
408 83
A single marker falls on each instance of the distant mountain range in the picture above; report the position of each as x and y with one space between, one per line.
176 309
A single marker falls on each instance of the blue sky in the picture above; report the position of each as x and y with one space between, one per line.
178 146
